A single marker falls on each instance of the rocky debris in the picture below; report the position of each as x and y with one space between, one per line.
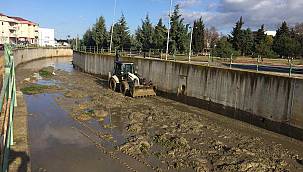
136 146
134 127
171 142
85 112
201 165
136 117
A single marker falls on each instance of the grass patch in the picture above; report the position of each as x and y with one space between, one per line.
46 72
34 89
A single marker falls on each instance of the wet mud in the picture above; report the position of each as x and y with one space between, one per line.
82 124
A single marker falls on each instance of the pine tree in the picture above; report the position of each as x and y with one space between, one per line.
138 36
260 35
264 48
283 30
88 38
198 36
246 42
121 35
160 36
288 47
236 34
145 34
279 44
224 49
179 32
100 35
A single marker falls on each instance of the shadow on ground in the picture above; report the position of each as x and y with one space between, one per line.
102 82
23 156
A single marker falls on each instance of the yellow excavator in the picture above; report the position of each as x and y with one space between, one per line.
125 80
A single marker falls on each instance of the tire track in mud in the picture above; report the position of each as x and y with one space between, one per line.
112 154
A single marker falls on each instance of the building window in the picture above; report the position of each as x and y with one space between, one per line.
2 23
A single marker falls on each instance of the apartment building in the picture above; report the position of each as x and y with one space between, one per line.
16 30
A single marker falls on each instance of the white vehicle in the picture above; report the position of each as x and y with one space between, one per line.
124 80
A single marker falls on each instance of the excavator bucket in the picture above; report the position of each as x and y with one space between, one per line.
143 91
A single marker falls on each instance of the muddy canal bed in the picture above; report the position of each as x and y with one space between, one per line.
77 124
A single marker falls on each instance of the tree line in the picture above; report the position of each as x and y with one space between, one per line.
148 36
288 42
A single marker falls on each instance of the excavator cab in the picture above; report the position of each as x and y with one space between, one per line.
125 80
123 68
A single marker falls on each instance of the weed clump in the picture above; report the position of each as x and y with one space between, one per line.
46 72
35 89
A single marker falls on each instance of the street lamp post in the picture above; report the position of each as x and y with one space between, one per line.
190 43
168 30
112 29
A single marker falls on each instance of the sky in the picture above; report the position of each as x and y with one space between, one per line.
74 17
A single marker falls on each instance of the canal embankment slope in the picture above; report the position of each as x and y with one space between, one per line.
29 54
266 100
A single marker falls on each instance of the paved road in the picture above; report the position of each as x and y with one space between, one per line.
265 68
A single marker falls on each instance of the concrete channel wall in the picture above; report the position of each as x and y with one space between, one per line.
269 101
30 54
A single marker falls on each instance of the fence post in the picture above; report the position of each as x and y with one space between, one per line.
130 52
149 53
258 61
290 65
161 54
231 61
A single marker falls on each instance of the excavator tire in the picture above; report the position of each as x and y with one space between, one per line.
112 84
124 88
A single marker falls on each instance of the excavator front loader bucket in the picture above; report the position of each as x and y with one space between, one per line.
143 91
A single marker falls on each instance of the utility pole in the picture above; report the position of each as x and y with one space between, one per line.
77 42
190 43
112 29
168 30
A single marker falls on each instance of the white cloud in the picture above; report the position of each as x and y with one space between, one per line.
188 3
255 13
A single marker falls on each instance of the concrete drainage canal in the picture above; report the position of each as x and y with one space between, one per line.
76 124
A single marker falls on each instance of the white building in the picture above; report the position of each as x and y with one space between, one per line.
16 30
46 37
271 33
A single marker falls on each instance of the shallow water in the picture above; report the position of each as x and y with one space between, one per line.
55 143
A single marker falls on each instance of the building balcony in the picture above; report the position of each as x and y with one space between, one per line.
13 35
12 28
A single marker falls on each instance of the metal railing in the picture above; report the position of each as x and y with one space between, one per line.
255 64
133 52
8 102
38 46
